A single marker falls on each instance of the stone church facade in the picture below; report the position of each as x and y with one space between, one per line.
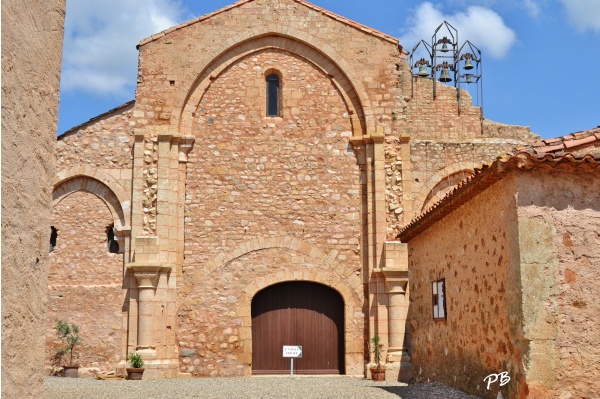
178 215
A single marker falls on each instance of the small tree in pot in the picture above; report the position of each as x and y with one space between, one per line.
69 335
378 370
136 370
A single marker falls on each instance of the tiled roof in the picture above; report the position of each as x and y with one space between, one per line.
562 145
239 3
563 153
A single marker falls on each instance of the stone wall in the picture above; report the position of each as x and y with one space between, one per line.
85 283
105 142
439 165
435 145
474 250
559 221
174 67
93 190
263 200
251 177
32 36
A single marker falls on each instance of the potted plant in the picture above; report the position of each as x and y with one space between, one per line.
69 335
136 370
377 370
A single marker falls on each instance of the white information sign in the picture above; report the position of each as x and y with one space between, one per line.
292 351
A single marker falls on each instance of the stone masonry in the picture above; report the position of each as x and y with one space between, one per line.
212 201
516 245
32 38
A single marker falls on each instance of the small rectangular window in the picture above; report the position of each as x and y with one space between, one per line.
439 299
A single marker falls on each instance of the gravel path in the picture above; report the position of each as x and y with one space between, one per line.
341 387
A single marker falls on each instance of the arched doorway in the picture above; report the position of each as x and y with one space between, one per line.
298 313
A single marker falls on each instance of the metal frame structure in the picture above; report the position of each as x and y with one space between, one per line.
446 61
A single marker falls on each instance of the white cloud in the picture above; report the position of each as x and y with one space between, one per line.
584 14
482 26
100 38
532 8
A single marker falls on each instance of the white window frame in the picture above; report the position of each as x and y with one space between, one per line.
438 299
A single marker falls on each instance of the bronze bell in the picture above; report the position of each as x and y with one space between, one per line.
423 71
468 64
468 77
445 75
444 48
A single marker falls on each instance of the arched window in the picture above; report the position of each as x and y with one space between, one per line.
53 237
113 245
273 95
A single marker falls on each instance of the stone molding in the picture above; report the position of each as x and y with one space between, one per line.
147 274
327 260
186 143
99 183
436 178
353 300
296 42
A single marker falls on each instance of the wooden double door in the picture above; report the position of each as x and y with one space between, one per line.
298 313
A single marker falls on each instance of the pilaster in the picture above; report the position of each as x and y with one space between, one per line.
371 158
395 274
407 194
157 259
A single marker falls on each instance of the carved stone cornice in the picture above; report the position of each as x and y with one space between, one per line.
147 274
186 144
122 231
396 280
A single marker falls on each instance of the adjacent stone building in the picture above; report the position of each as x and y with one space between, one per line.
251 196
32 38
516 249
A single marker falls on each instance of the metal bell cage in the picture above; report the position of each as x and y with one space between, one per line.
446 60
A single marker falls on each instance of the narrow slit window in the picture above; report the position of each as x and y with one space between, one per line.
53 237
273 95
113 245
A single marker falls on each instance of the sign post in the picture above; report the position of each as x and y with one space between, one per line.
292 351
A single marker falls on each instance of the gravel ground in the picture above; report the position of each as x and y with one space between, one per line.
341 387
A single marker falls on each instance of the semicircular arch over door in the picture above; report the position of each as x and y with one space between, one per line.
298 313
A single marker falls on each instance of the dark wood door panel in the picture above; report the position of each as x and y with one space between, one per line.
298 313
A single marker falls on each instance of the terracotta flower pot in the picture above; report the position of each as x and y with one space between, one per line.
378 374
134 374
71 371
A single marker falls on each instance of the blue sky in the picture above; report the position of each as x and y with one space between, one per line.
540 57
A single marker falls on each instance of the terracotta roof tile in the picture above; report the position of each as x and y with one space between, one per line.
558 144
557 156
238 3
580 141
554 140
549 148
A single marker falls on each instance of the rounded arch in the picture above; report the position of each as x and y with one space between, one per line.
352 297
299 313
438 185
348 285
327 260
100 184
325 59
